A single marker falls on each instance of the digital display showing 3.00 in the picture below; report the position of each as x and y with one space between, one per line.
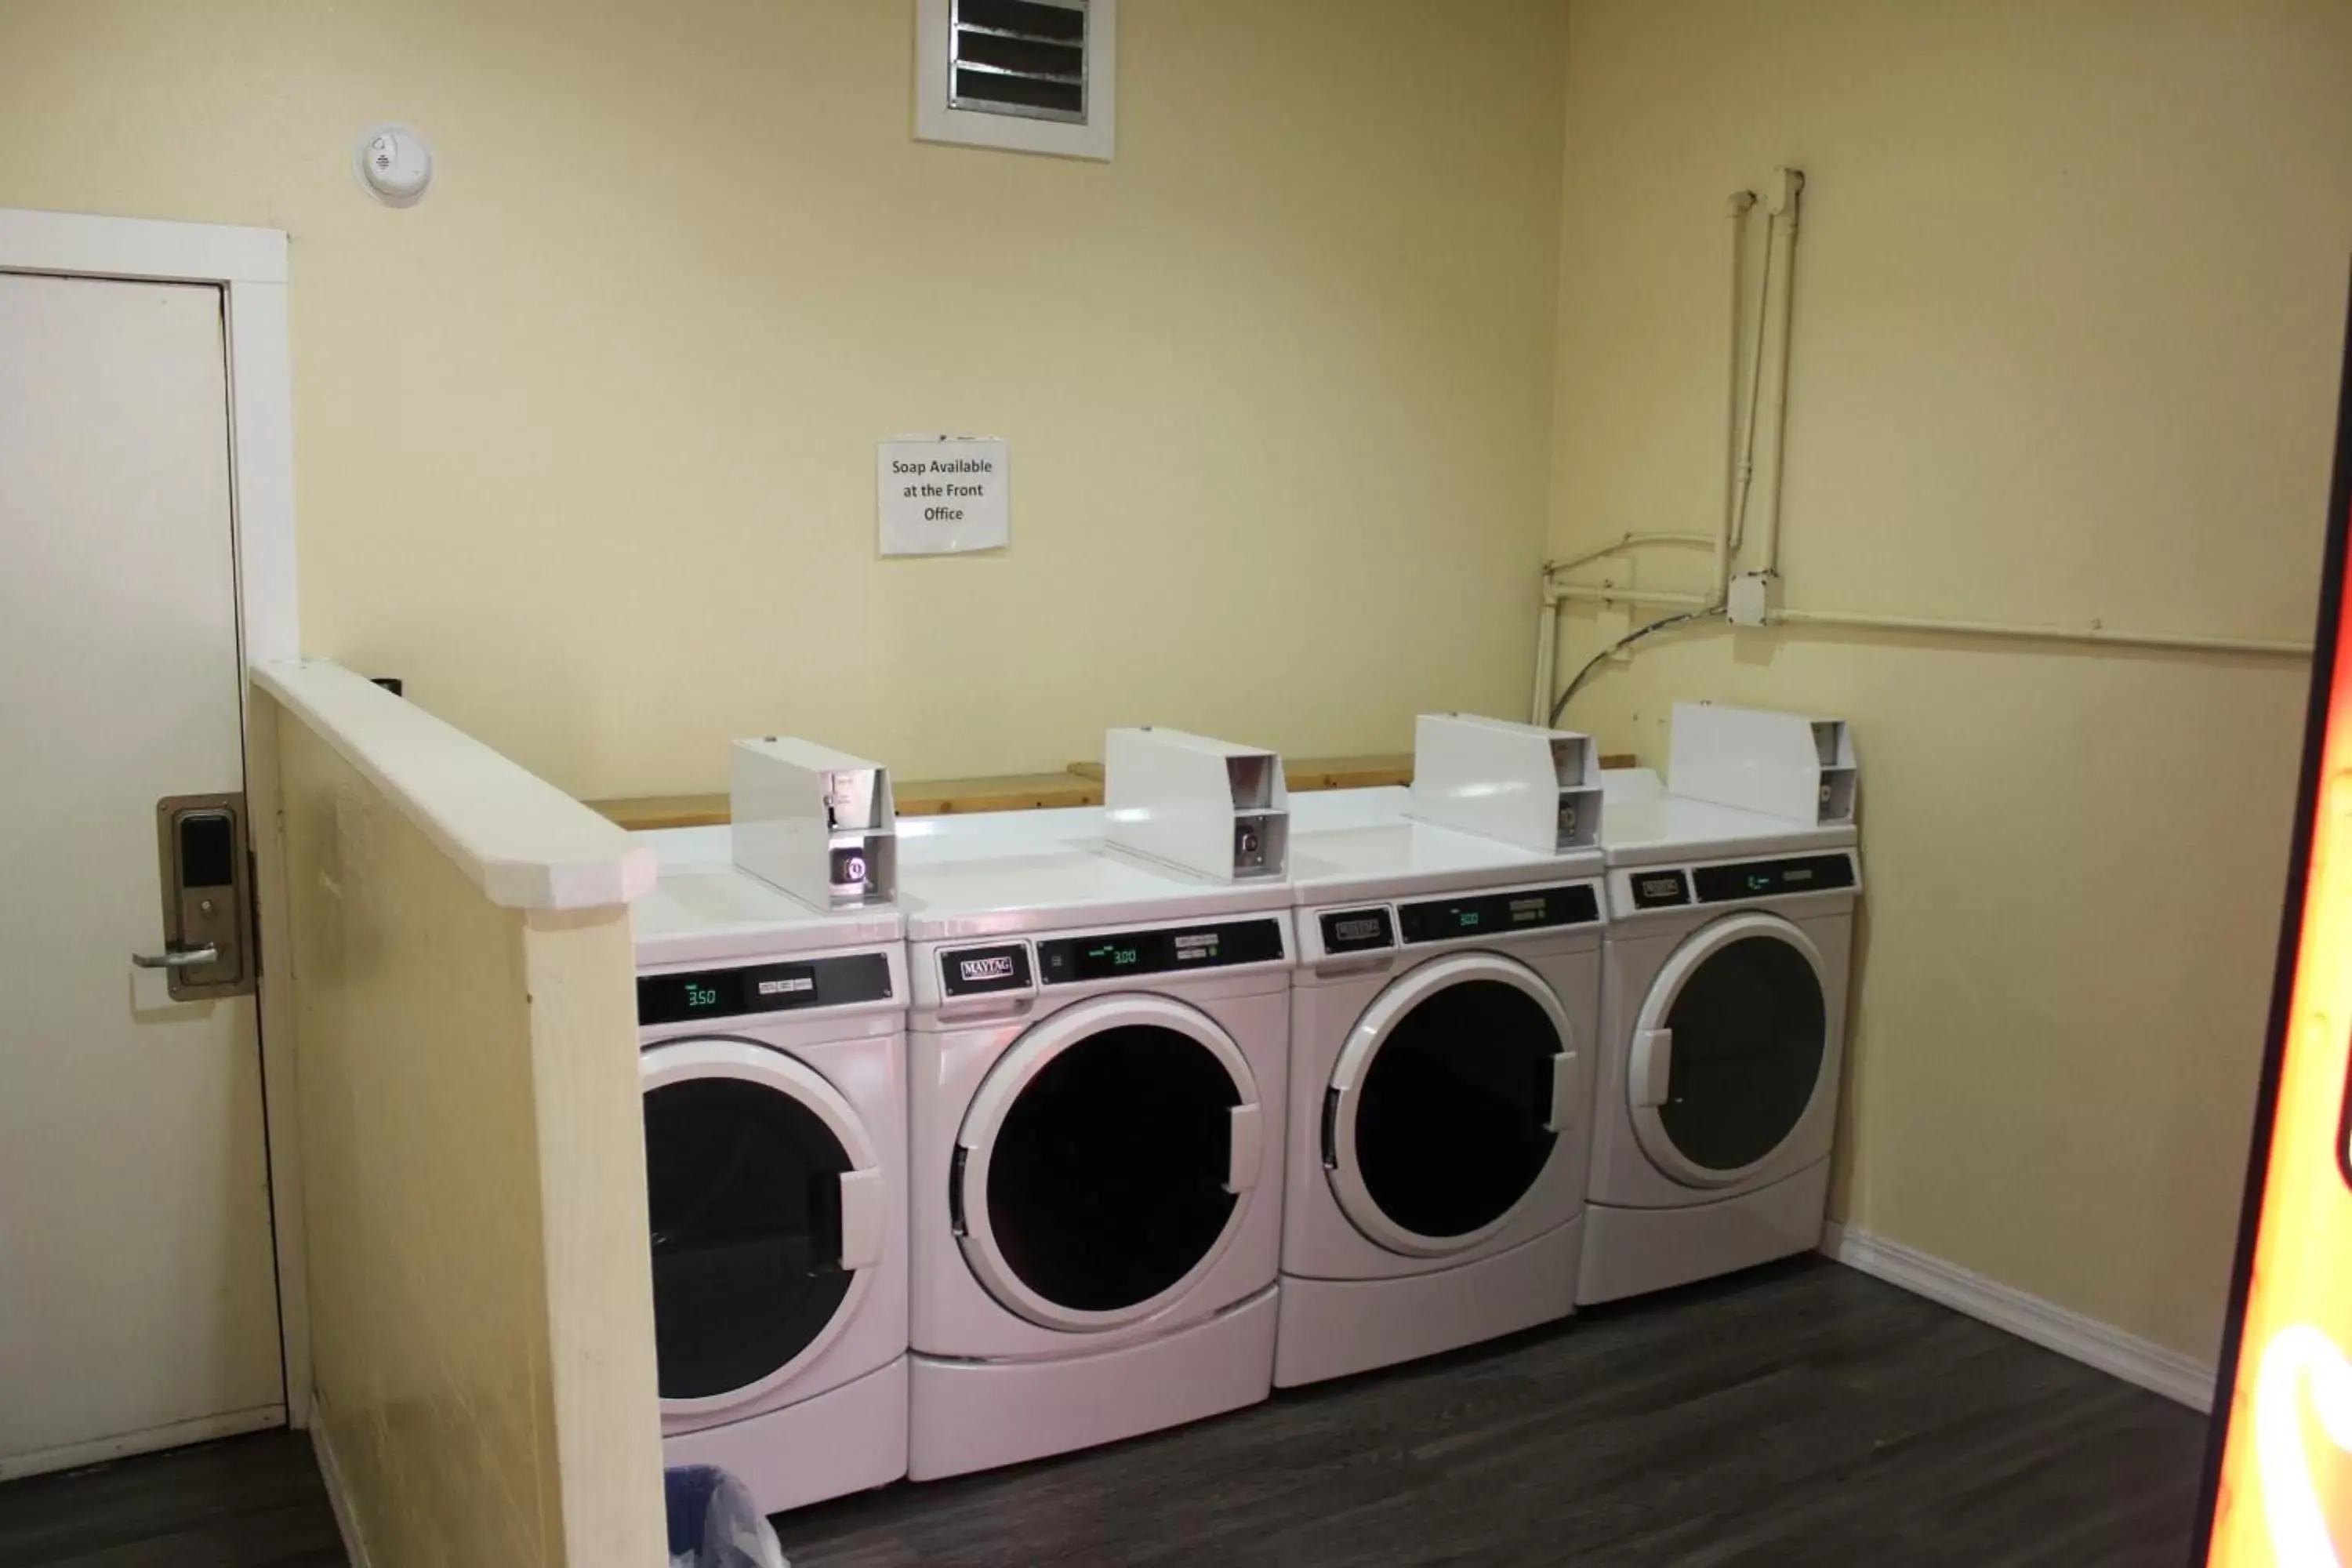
1446 919
1079 958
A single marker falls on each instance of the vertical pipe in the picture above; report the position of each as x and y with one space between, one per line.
1744 471
1784 209
1546 639
1741 204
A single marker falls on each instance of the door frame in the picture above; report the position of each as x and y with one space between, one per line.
248 266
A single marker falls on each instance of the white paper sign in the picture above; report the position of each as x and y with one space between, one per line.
943 497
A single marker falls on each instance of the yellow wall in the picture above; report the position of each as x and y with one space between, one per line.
2071 288
586 439
585 443
480 1299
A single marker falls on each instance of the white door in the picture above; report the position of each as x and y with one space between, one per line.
1447 1103
1106 1162
138 1302
768 1201
1730 1052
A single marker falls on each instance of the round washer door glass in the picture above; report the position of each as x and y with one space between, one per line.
1106 1179
744 1186
1749 1028
1452 1119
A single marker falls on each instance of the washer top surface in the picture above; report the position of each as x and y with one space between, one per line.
704 908
1643 824
970 876
1333 859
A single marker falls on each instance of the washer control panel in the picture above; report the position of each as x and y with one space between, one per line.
1371 933
1069 960
1484 914
849 980
992 976
1764 878
1660 890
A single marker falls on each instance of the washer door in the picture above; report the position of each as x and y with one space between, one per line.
1104 1163
1446 1103
766 1201
1729 1050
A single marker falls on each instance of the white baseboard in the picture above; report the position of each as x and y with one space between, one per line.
338 1494
2053 1327
153 1439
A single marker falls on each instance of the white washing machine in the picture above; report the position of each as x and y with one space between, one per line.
1442 1024
772 1050
1097 1059
1723 997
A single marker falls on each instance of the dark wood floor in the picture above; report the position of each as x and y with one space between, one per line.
243 1502
1801 1414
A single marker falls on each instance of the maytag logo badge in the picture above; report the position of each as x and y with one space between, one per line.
1355 930
980 970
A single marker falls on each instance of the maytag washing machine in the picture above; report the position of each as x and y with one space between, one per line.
1096 1058
1724 999
772 1049
1443 1018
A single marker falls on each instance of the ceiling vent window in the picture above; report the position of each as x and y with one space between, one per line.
1033 76
1021 57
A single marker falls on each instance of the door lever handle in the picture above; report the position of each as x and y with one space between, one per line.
184 958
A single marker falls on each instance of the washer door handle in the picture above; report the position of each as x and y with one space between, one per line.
1245 1148
861 1218
1651 1067
1565 1081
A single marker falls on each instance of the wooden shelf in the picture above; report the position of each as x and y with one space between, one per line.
1009 791
644 813
934 797
1320 772
1081 786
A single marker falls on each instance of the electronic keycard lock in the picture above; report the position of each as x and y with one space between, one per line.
206 877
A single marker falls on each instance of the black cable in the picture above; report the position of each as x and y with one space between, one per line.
1598 659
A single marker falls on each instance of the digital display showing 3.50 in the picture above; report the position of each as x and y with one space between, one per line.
762 988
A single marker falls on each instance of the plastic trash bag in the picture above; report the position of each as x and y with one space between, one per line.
713 1523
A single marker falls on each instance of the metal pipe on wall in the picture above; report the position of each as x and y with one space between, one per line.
1625 542
1770 398
1546 651
2026 631
1741 204
1737 207
1590 593
1783 218
1743 470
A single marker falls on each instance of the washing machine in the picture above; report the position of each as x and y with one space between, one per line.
1097 1055
773 1051
1723 1010
1442 1023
